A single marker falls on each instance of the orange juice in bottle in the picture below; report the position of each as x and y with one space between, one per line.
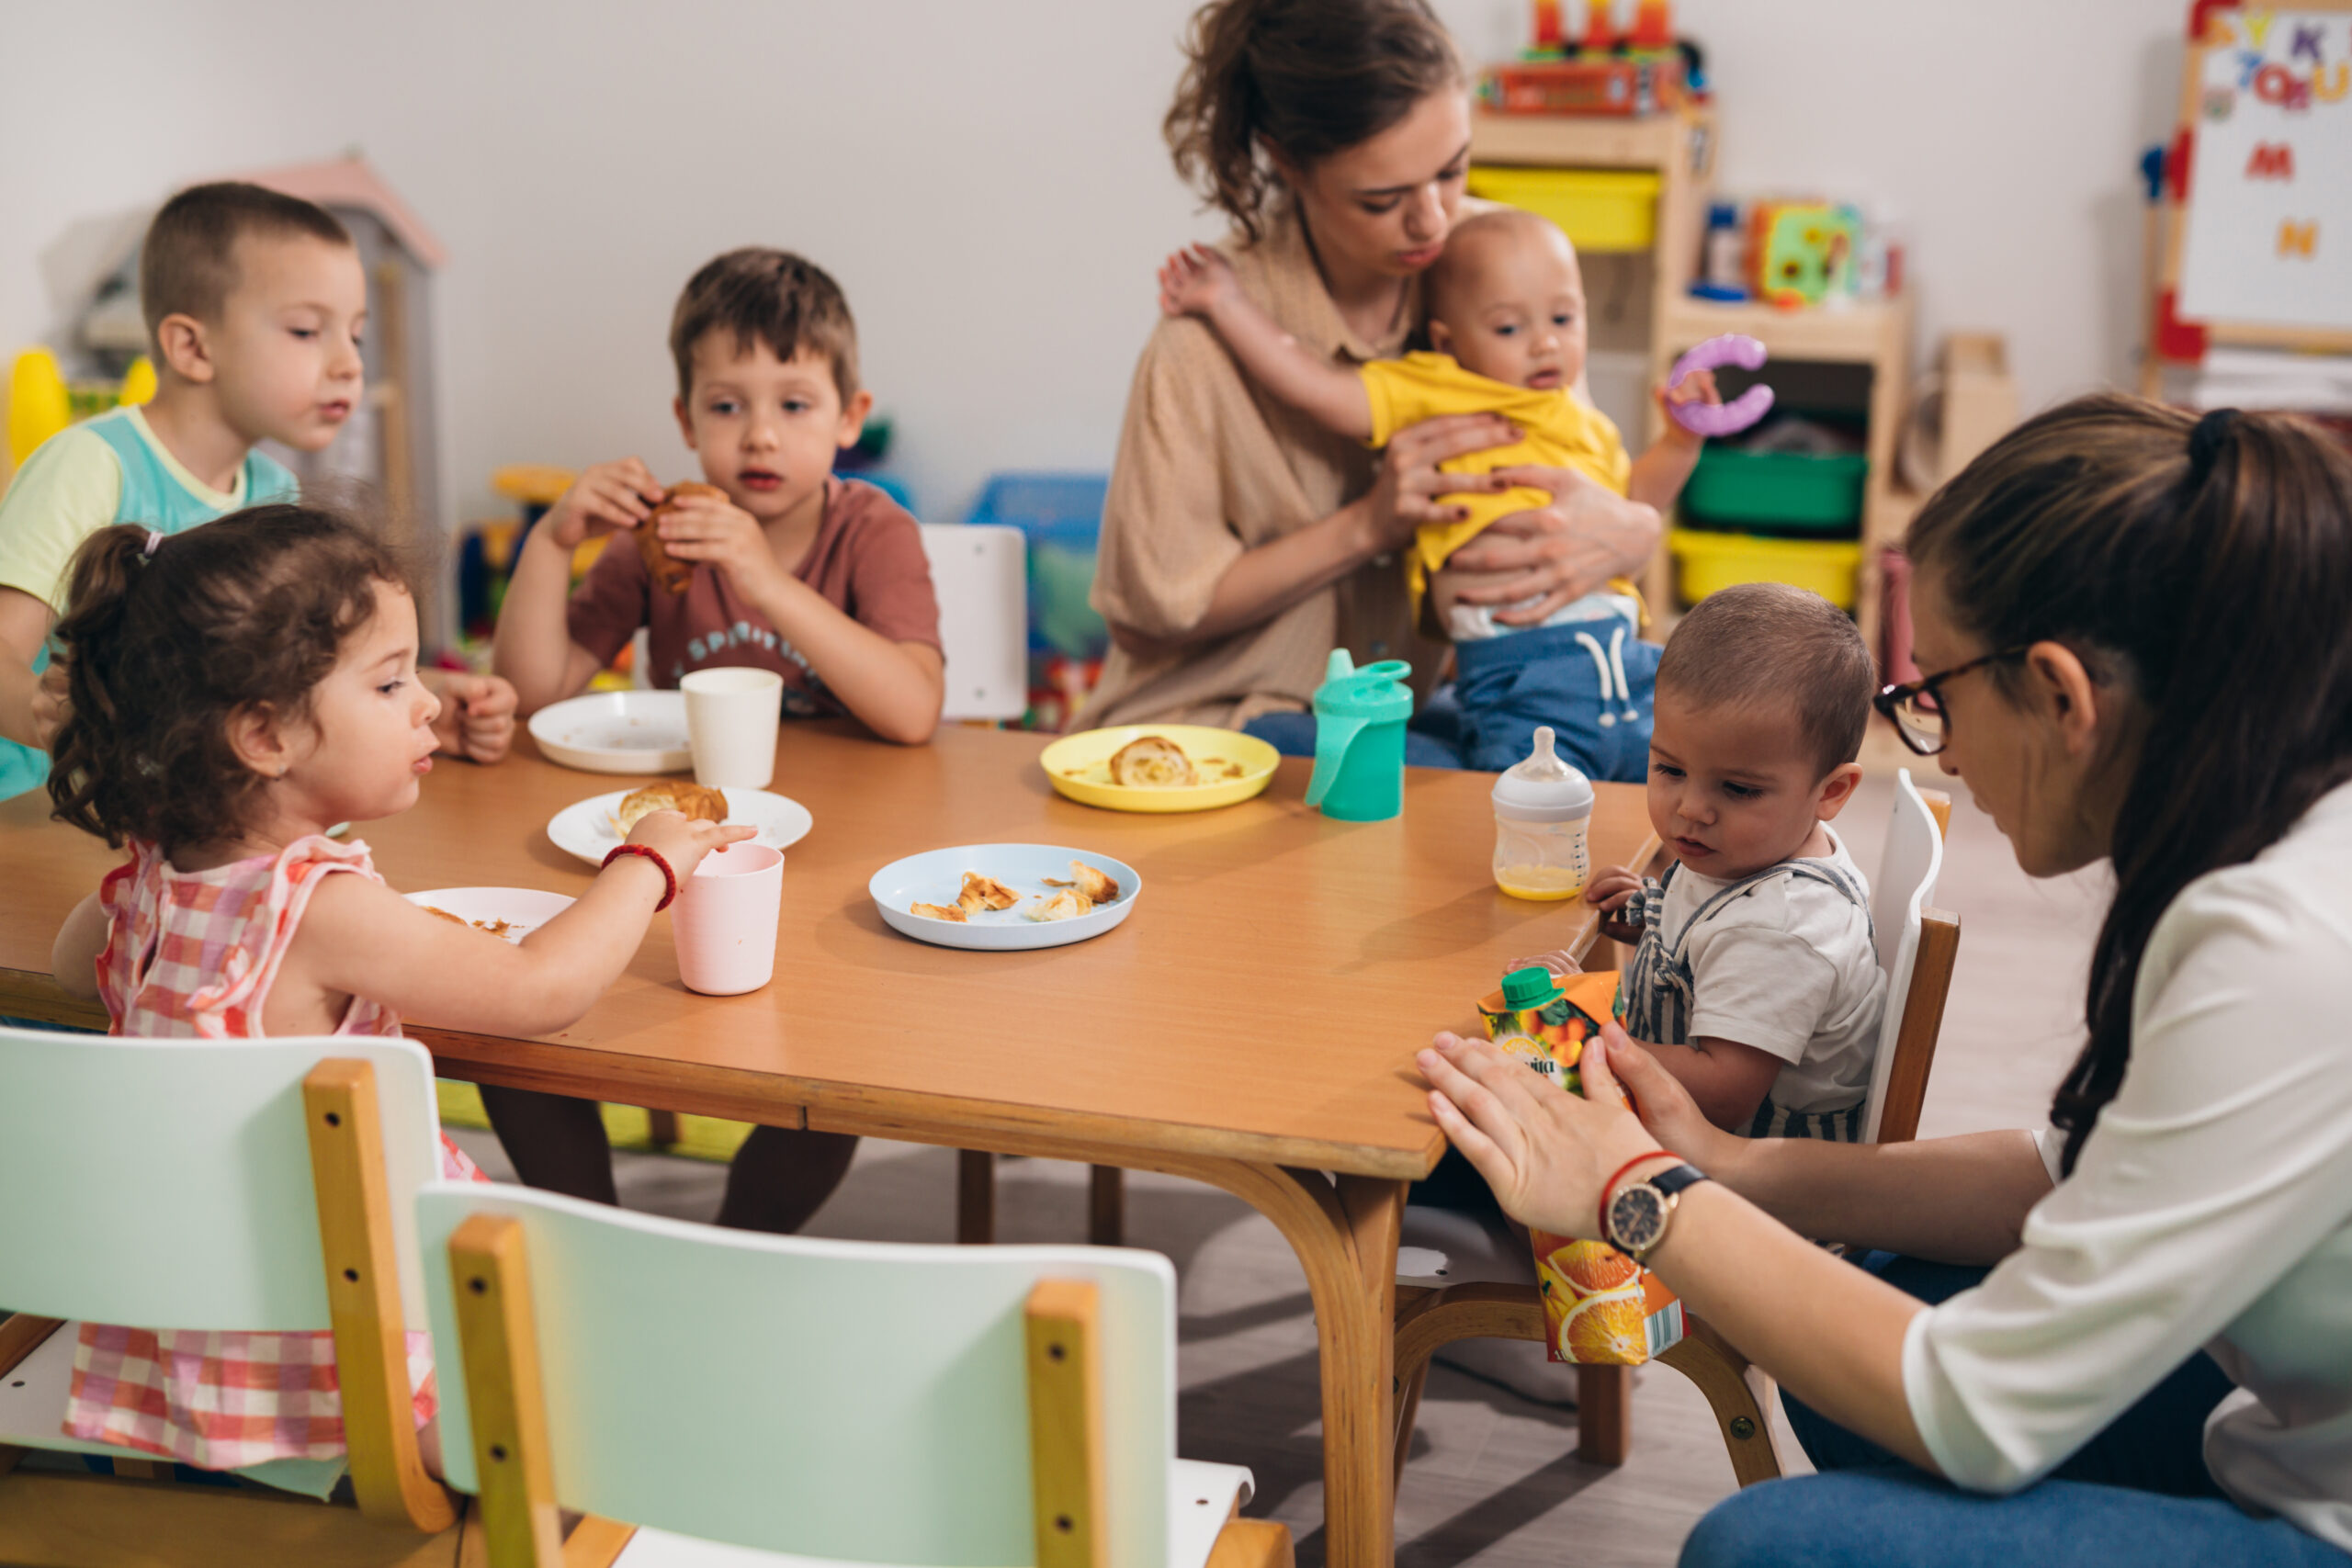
1542 812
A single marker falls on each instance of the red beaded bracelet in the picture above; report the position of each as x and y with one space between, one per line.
1618 1175
649 852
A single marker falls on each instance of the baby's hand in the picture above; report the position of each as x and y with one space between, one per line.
608 496
1557 962
1195 281
1610 891
683 841
1698 387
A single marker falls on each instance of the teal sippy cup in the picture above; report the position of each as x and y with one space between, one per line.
1359 739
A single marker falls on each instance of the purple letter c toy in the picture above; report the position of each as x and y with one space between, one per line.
1721 419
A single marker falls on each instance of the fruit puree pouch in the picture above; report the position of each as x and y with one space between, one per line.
1600 1306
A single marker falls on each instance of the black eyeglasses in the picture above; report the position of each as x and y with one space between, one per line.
1918 708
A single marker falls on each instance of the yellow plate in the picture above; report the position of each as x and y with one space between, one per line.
1080 766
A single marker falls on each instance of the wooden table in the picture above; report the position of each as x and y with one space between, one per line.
1252 1025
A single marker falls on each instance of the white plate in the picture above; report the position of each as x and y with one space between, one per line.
585 827
616 732
524 910
937 876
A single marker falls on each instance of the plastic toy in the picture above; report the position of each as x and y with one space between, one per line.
1721 419
1802 252
41 401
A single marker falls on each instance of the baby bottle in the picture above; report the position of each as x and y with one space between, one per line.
1543 808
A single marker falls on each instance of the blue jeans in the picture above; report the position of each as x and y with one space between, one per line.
1550 675
2137 1494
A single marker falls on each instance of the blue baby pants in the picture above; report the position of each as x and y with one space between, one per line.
1591 680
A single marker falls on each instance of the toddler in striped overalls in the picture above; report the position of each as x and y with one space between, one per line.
1755 978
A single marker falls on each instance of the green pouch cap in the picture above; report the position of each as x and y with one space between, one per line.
1527 989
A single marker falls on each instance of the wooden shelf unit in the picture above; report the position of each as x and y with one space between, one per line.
1877 334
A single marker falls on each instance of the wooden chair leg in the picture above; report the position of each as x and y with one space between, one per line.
661 1129
975 1197
1707 1359
1106 1206
1428 1320
1409 1408
1604 1414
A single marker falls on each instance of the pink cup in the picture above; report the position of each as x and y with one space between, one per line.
724 921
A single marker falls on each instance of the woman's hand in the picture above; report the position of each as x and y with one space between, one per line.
608 496
1544 1151
1404 494
1554 555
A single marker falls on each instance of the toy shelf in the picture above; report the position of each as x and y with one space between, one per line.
1873 333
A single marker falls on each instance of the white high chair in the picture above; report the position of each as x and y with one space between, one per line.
748 1399
1464 1276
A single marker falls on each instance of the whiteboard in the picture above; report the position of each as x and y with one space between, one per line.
2268 233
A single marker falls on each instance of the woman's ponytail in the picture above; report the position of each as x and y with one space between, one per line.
1302 79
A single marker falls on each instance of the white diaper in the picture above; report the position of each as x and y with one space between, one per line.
1476 622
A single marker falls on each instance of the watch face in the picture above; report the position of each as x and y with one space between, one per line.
1636 1218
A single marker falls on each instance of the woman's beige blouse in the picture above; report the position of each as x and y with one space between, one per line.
1208 468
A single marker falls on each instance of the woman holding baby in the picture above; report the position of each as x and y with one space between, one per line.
1241 541
2125 1338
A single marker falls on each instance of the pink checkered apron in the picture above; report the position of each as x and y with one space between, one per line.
193 954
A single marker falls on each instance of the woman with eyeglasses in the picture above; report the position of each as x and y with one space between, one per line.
2126 1337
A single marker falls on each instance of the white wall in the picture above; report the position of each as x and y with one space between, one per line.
987 179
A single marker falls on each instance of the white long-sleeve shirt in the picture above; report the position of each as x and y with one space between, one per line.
2211 1207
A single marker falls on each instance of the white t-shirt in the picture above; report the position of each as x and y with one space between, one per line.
1788 968
2211 1206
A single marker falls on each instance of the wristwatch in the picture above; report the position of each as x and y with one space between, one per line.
1635 1220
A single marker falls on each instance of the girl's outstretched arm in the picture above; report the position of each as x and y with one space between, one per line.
360 938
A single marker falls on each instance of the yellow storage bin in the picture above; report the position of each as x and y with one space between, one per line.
1599 210
1831 568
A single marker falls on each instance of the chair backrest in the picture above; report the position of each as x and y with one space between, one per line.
860 1402
169 1183
1916 945
980 574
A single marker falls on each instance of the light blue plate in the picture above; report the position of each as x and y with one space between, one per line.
937 876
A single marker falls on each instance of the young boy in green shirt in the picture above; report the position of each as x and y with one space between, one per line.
254 304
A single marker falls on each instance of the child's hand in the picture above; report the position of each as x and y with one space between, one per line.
711 528
608 496
1557 962
1698 387
1195 281
50 703
683 841
477 716
1610 891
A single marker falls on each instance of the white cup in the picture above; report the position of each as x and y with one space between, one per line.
732 715
723 922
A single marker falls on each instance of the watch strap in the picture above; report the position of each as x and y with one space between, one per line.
1674 1178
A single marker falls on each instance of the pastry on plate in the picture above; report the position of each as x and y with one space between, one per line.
700 804
1099 887
668 572
1152 762
440 914
984 893
1066 905
938 912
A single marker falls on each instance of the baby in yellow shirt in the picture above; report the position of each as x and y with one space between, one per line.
1507 329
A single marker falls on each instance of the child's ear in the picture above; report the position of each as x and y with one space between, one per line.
260 741
1440 336
854 414
181 344
1838 789
685 422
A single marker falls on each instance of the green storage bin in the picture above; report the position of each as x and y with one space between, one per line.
1781 490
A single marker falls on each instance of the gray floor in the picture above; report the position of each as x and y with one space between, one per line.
1493 1478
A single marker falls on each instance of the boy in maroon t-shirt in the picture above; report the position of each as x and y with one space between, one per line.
820 578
